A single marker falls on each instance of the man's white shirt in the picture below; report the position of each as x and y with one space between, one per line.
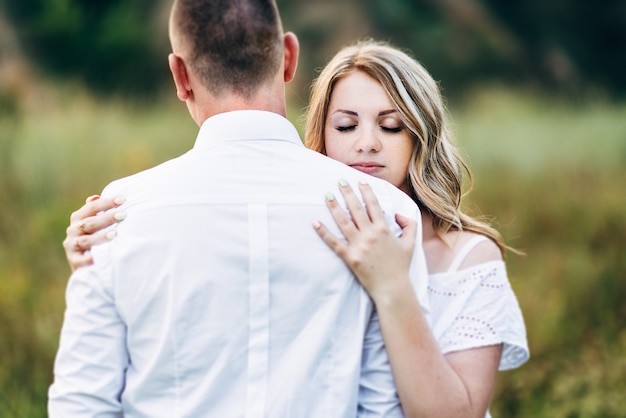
218 299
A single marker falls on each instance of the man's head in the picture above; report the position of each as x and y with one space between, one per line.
230 48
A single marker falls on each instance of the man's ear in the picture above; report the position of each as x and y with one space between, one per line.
292 49
180 76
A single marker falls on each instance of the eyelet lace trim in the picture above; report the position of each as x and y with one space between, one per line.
476 307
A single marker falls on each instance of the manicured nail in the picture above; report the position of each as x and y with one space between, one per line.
110 235
343 183
330 197
119 200
92 198
119 216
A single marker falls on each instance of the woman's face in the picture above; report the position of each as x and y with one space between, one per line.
364 130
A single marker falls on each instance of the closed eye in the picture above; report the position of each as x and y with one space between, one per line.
345 128
392 130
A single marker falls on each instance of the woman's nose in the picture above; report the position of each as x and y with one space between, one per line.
368 141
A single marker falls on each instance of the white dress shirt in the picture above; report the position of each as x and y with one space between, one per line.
218 299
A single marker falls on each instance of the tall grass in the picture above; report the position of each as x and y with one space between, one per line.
550 173
554 176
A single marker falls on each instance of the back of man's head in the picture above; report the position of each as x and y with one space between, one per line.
231 45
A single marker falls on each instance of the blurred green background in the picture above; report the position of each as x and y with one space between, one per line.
536 90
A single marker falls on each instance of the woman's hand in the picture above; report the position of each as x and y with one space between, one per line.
378 258
86 226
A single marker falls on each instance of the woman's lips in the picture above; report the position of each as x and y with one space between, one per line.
368 167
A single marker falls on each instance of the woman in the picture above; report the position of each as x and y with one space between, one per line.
377 109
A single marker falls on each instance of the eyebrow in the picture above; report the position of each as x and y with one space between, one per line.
349 112
353 113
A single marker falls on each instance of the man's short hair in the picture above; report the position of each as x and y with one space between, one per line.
233 45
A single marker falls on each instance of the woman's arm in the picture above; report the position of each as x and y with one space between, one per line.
429 383
85 229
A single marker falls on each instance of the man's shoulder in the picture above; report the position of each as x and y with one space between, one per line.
390 197
125 185
122 186
397 197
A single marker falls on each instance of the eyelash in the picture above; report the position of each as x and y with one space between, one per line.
352 127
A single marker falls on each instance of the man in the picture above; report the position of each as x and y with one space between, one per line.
217 298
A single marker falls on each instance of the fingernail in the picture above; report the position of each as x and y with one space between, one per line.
343 183
330 197
119 216
317 224
92 198
363 182
111 234
119 200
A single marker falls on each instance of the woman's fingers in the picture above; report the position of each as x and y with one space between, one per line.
86 228
343 221
92 198
409 230
337 245
360 217
372 206
378 258
85 242
77 246
93 215
95 205
358 213
80 260
97 222
90 218
77 249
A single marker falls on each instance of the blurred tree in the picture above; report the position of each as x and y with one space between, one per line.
562 45
459 42
570 44
111 45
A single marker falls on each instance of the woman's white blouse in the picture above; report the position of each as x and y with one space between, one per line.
476 307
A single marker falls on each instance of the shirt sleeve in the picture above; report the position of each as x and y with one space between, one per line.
92 357
378 396
419 272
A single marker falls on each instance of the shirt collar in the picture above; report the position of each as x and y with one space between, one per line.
246 125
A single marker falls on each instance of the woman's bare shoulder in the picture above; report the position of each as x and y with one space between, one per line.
484 251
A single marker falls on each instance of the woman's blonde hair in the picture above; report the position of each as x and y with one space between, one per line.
436 168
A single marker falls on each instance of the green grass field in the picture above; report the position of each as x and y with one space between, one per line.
551 174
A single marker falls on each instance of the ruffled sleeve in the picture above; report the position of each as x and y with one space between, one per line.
476 307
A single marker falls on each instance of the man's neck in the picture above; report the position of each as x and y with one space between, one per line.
232 102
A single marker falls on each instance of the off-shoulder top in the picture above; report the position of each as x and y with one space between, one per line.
476 307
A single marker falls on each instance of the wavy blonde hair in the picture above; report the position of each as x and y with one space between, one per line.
436 169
